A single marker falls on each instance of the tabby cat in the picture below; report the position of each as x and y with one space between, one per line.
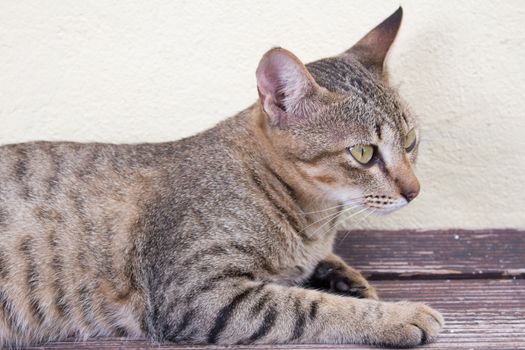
224 237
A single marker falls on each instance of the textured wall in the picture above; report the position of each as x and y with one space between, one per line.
130 71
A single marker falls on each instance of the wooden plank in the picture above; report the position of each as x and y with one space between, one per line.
435 254
488 314
479 314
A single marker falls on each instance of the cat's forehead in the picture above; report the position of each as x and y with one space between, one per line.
344 76
367 102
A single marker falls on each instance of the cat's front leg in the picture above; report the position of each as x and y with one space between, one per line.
239 311
333 275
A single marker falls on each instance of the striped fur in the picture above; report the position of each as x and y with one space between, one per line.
224 237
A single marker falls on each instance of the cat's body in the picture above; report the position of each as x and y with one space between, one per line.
210 238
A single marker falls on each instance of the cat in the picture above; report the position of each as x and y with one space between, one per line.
224 237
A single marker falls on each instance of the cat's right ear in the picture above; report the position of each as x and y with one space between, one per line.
284 86
372 49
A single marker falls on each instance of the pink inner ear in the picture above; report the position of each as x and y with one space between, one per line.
282 81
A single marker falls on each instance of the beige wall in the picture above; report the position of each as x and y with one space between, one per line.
131 71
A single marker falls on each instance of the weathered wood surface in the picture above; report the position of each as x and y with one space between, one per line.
476 279
435 254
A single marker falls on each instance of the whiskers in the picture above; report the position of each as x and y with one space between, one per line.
321 211
352 206
368 212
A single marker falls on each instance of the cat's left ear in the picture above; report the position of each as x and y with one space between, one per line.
372 49
286 88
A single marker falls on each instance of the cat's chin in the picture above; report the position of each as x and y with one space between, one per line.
384 212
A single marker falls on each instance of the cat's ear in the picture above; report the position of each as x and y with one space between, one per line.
284 86
372 49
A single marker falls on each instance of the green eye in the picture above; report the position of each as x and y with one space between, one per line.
362 153
410 140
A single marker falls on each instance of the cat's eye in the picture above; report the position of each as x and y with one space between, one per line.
362 153
410 140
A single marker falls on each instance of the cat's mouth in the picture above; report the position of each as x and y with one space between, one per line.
378 204
382 204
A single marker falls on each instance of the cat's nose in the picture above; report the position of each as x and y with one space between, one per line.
406 181
410 190
410 195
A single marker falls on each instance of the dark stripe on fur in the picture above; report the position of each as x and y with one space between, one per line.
56 173
32 280
314 308
261 259
378 311
261 303
161 308
285 215
299 322
230 273
175 334
3 216
80 204
283 183
121 332
161 313
4 269
107 313
85 301
21 171
214 250
166 280
383 168
7 310
61 303
319 157
378 131
211 283
267 324
224 316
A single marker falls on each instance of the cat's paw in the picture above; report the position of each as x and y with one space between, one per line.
341 279
408 324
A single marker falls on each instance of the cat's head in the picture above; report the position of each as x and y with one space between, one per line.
339 125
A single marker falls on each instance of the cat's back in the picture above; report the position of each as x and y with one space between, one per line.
72 219
69 214
61 180
79 189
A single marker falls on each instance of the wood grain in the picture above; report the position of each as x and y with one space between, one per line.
478 313
449 254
